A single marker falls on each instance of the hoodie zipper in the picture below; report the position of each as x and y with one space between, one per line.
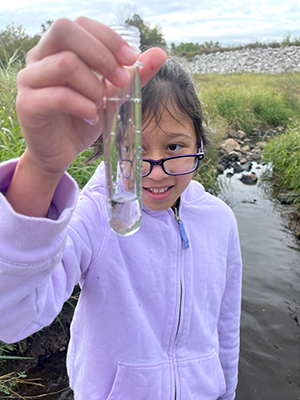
177 330
185 245
184 238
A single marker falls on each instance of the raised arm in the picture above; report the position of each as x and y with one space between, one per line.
59 103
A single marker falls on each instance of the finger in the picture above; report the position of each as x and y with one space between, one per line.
63 69
152 59
113 41
47 102
65 35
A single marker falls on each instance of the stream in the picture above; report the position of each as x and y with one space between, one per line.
270 325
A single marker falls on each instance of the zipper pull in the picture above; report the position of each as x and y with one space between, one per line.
184 238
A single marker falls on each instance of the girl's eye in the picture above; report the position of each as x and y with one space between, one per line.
174 147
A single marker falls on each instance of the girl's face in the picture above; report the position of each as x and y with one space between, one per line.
170 138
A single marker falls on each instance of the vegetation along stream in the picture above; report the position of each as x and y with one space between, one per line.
270 324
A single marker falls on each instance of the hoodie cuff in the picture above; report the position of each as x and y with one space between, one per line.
230 396
20 234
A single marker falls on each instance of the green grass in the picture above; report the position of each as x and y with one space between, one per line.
284 153
236 101
247 100
12 144
8 87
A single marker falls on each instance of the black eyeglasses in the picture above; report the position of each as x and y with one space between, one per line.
175 165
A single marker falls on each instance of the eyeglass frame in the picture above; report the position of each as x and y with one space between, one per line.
160 162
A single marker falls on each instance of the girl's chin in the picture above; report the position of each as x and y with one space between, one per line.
158 201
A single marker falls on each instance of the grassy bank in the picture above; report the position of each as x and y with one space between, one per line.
247 100
284 153
236 101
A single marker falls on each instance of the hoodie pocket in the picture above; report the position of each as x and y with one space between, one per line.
141 382
201 378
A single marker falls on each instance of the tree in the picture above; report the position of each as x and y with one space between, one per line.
14 40
47 26
149 36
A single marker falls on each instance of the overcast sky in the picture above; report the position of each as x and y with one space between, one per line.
228 21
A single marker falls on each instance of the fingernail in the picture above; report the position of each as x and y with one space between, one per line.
122 75
92 121
128 54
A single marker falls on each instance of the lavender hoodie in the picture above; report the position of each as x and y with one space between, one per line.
154 320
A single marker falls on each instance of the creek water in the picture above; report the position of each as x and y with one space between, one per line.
270 324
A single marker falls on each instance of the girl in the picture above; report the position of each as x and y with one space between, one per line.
158 315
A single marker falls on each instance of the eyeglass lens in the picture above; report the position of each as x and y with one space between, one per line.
174 165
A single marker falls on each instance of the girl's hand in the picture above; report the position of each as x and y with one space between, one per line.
58 92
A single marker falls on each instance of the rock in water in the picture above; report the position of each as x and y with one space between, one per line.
288 198
249 179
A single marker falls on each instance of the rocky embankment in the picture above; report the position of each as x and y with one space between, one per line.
237 153
259 60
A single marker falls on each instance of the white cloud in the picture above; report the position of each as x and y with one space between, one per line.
228 21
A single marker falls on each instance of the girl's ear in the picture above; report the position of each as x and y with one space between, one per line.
152 59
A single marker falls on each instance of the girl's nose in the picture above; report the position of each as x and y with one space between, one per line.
157 173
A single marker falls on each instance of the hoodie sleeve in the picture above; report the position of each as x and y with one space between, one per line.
230 314
41 260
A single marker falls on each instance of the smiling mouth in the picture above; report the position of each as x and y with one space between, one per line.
157 191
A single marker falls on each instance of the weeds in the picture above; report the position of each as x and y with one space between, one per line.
284 153
5 349
206 173
12 144
251 100
9 383
8 87
82 171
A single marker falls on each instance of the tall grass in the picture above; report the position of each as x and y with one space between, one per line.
8 86
12 143
284 153
239 101
247 100
206 173
82 171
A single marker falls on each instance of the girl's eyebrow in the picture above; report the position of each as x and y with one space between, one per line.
180 135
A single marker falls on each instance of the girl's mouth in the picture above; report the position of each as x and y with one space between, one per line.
157 191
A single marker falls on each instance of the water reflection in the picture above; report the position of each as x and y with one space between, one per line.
270 325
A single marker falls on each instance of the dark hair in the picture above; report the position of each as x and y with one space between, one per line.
170 89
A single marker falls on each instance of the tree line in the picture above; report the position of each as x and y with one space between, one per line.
15 42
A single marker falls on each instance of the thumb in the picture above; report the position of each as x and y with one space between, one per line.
152 59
